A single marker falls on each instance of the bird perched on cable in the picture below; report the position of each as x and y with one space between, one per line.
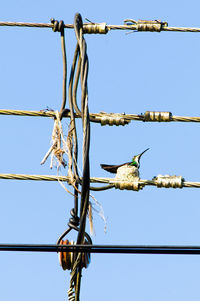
125 169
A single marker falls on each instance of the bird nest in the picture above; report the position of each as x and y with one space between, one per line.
127 173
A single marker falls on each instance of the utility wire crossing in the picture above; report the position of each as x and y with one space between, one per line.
78 220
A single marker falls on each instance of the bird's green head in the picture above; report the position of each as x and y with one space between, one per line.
136 159
135 162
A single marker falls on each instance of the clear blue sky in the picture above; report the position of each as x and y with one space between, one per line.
128 73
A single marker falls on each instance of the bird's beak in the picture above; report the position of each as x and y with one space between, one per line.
140 155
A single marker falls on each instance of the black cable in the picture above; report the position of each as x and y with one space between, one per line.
112 249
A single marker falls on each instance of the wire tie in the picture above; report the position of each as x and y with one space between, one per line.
111 119
57 25
167 181
70 293
157 116
147 25
128 185
95 28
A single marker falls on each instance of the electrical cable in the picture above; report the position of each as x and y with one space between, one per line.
106 249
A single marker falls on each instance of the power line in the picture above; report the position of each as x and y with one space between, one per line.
108 118
159 181
106 249
79 70
103 28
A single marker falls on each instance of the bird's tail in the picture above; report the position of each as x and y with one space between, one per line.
110 168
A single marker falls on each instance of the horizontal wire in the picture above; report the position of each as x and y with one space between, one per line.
108 27
52 114
92 179
34 177
42 113
112 249
31 24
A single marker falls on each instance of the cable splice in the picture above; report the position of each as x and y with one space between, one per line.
157 116
128 185
94 28
111 119
147 25
168 181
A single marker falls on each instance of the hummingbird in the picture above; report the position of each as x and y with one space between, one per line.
135 162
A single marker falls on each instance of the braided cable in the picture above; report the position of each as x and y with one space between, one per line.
100 117
82 72
96 180
87 27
